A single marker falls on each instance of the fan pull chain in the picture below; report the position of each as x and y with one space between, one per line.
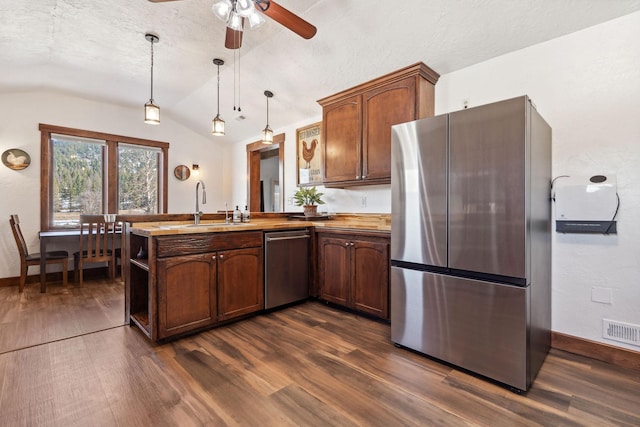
234 80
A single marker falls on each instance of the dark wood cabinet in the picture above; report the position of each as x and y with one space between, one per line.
186 293
240 283
193 281
356 124
353 271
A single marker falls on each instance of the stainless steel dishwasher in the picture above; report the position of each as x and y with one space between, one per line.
286 262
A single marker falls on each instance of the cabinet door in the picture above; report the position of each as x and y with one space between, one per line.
383 107
186 293
342 139
370 276
240 283
334 269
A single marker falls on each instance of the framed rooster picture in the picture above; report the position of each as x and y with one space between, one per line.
309 141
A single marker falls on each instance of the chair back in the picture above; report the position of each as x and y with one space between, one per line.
96 238
17 234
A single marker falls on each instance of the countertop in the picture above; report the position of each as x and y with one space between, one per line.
362 222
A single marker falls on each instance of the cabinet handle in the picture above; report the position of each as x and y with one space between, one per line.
221 256
364 176
213 257
346 244
357 176
352 244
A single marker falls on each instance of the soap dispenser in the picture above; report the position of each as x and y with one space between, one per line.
246 215
237 216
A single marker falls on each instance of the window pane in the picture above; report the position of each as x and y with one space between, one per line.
77 179
137 179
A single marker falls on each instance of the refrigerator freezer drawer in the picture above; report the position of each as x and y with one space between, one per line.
476 325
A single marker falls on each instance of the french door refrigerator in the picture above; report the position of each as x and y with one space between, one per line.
471 239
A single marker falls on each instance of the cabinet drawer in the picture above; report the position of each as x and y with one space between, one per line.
202 243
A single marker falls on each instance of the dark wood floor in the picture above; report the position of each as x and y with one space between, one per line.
307 365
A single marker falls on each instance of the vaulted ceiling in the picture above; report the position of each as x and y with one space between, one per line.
97 49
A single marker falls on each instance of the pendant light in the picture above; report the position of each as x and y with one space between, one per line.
267 133
151 110
218 124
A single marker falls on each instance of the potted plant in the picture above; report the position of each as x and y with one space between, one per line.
309 198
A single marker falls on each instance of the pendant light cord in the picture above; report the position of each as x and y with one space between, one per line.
151 71
218 89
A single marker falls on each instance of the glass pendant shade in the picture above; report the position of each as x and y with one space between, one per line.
255 19
151 113
151 110
235 21
244 7
217 124
217 128
267 135
222 9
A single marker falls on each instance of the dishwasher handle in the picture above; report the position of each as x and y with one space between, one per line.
274 239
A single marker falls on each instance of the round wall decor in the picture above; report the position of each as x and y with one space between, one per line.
181 172
16 159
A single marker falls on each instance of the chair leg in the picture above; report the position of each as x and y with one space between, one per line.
23 276
76 268
65 266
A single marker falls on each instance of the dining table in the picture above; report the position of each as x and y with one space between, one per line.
45 237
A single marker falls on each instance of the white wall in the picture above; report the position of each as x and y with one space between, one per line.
21 113
587 86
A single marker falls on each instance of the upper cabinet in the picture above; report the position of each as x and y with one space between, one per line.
356 124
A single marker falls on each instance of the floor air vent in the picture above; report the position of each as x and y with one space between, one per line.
621 332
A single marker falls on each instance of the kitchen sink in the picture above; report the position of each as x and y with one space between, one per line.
203 226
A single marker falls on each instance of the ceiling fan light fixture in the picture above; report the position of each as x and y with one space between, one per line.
222 9
267 132
244 7
255 19
235 21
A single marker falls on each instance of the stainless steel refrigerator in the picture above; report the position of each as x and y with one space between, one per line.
471 239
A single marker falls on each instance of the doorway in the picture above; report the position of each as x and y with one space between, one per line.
265 180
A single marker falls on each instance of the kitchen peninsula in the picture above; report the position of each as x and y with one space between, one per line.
182 278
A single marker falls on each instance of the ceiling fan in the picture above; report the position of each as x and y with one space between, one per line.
235 12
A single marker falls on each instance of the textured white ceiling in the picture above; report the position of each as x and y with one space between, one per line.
96 48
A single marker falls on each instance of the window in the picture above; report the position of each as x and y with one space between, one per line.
92 172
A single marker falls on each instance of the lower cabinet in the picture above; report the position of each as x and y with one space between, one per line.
187 293
240 283
195 291
353 271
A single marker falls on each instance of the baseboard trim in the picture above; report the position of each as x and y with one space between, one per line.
617 356
89 273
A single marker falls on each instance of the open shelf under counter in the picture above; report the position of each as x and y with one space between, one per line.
141 319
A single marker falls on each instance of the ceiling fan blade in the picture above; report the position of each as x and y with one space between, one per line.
233 39
287 19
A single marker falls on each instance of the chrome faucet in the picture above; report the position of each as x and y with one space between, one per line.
227 220
197 214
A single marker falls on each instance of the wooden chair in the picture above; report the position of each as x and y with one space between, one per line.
97 237
27 259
